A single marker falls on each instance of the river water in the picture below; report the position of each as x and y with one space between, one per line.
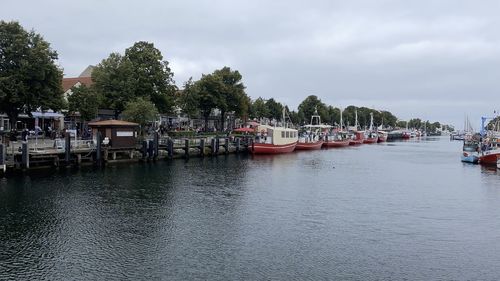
394 211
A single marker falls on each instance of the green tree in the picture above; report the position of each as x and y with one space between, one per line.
259 108
231 95
140 111
141 72
152 76
112 81
29 77
310 105
207 89
85 101
188 99
275 109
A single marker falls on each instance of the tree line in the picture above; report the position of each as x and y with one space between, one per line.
139 84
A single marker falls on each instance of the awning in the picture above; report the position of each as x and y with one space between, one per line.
46 114
244 130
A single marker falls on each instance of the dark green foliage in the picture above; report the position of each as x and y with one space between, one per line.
29 77
275 109
85 101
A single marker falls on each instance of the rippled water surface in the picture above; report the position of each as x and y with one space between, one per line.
395 211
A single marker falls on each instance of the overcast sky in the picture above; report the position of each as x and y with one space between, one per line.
435 60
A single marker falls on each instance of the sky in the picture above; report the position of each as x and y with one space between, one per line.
436 60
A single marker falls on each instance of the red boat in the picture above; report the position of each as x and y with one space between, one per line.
489 157
406 135
336 143
382 136
274 140
268 148
309 145
371 137
358 138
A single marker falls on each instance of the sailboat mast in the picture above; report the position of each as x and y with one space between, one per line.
341 122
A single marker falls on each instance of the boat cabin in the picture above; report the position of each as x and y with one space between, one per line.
276 135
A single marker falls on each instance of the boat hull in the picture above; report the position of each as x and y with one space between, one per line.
266 148
489 159
469 158
370 140
309 145
382 139
355 142
337 143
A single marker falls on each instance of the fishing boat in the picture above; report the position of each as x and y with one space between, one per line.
470 151
382 136
371 136
274 139
356 137
338 138
311 139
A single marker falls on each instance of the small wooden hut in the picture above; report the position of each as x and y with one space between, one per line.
121 134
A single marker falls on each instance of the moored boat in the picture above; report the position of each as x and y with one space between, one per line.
382 136
338 138
489 157
470 152
276 140
309 145
357 139
498 162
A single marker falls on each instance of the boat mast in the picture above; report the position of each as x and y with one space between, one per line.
341 122
371 121
356 119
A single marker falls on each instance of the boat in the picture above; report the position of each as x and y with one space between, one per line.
274 139
356 137
311 139
371 136
382 136
498 162
470 151
338 138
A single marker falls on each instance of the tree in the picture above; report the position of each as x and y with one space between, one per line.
187 99
310 105
85 101
29 77
259 108
152 76
231 93
141 72
275 109
113 82
207 89
140 111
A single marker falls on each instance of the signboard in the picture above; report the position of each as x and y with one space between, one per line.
124 134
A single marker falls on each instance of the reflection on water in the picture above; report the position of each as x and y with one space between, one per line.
403 210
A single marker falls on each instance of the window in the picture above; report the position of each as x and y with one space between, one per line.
283 134
287 134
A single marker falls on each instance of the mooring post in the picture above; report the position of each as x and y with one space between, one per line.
156 145
217 144
25 155
98 155
151 149
186 148
212 146
238 143
202 147
251 145
170 148
144 149
3 164
67 148
226 145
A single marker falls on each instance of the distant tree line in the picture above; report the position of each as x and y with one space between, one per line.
139 85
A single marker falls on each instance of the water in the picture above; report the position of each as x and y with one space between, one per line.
404 210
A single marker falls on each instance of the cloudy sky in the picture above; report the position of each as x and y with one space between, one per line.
435 60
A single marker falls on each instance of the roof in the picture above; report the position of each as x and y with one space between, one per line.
68 83
107 123
87 72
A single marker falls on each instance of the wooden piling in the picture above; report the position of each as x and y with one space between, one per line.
238 143
202 147
186 148
170 148
226 145
144 149
156 145
98 156
67 148
25 156
3 162
213 146
151 150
